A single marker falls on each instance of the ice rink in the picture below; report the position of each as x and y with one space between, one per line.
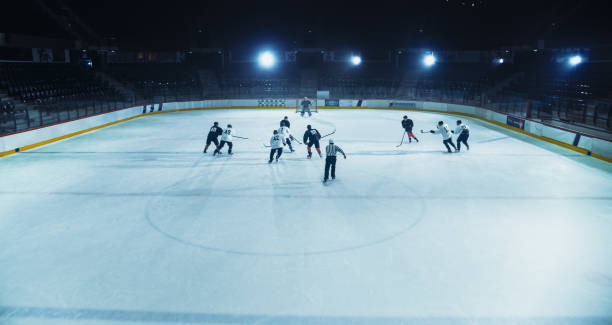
132 224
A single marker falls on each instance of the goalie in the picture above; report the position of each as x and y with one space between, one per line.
306 104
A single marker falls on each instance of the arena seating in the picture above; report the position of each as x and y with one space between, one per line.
244 82
159 81
46 84
574 95
40 94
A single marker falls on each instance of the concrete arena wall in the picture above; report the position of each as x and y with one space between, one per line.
583 143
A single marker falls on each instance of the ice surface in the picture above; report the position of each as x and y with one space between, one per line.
132 224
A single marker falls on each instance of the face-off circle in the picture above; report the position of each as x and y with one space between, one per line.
272 223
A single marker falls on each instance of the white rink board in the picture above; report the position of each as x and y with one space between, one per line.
45 133
598 146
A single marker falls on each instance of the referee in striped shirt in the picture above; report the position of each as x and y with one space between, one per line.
330 159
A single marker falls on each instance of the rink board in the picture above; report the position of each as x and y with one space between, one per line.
582 143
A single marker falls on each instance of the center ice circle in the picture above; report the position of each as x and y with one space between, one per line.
279 225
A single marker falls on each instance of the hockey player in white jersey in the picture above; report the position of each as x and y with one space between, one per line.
276 146
463 130
447 138
226 137
285 133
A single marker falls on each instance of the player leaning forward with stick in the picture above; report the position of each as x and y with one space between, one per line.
312 137
330 160
227 137
447 138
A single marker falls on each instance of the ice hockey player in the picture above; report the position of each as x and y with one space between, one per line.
285 133
463 130
447 138
330 159
285 122
407 124
213 134
306 103
226 137
276 146
312 137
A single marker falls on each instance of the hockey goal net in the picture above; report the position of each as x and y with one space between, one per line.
313 105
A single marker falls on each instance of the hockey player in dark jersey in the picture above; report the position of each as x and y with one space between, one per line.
407 124
285 122
312 137
213 134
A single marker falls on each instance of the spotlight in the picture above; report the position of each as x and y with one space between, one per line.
575 60
356 60
266 59
429 60
500 60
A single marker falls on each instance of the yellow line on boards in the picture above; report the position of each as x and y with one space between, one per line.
539 137
546 139
70 135
66 136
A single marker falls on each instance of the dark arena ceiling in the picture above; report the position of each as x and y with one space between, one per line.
452 24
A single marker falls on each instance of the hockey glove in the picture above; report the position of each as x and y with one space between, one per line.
432 131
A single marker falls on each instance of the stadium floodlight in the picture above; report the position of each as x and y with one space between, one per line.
500 60
356 60
575 60
429 60
266 60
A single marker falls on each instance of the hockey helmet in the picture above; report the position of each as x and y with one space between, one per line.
286 118
229 126
458 122
275 132
216 123
440 123
405 117
331 141
308 127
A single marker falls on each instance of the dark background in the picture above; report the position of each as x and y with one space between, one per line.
248 25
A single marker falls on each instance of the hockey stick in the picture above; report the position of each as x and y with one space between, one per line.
267 146
235 136
334 131
296 140
424 131
403 135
